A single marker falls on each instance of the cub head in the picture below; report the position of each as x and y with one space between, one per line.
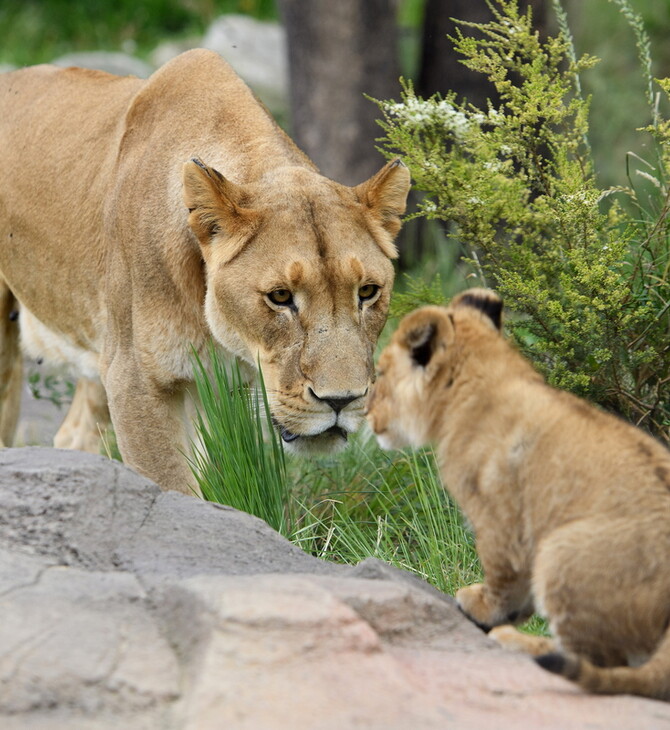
299 275
428 353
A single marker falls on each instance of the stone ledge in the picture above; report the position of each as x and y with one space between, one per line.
126 607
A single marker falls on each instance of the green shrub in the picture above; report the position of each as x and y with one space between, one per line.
52 386
584 270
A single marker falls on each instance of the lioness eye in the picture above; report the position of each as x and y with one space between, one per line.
367 291
282 297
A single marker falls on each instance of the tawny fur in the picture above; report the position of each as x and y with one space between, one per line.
570 506
124 253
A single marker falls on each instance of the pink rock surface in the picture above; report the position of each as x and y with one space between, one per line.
125 608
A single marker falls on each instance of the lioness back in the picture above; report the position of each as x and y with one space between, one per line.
57 169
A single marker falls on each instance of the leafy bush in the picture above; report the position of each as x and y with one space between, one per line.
584 270
52 386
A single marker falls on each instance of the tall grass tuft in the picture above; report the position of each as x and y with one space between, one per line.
393 508
232 461
363 503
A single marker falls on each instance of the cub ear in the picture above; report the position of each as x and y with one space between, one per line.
484 300
424 332
215 206
421 343
384 195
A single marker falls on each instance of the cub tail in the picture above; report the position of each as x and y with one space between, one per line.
651 679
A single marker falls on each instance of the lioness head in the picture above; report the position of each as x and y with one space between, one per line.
431 348
299 276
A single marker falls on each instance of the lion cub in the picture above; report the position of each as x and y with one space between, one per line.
570 506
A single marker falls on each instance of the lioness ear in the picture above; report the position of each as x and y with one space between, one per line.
484 300
384 196
215 206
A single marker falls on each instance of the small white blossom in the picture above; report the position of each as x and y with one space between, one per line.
583 197
494 116
512 28
419 113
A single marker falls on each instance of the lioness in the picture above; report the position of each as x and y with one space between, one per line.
121 250
570 506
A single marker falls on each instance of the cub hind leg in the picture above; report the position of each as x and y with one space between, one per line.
606 590
510 637
86 420
11 366
601 583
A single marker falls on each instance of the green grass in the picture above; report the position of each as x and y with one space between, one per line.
617 85
389 506
231 460
362 503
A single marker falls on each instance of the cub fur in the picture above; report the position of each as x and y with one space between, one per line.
570 506
139 219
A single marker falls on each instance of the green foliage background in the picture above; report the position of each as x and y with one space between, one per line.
37 31
584 269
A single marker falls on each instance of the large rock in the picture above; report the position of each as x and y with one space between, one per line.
257 51
125 607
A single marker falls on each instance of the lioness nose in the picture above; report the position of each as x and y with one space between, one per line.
337 403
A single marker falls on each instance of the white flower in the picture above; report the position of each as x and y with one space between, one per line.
418 113
586 198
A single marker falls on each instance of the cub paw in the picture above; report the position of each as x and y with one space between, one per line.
510 638
477 603
472 603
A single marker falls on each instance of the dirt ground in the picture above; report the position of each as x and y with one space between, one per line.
39 420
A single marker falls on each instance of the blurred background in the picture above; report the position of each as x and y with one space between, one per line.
313 61
317 65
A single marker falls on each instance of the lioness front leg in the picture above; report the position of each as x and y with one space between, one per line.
149 425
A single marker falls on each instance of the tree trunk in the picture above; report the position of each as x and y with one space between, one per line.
339 50
441 69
